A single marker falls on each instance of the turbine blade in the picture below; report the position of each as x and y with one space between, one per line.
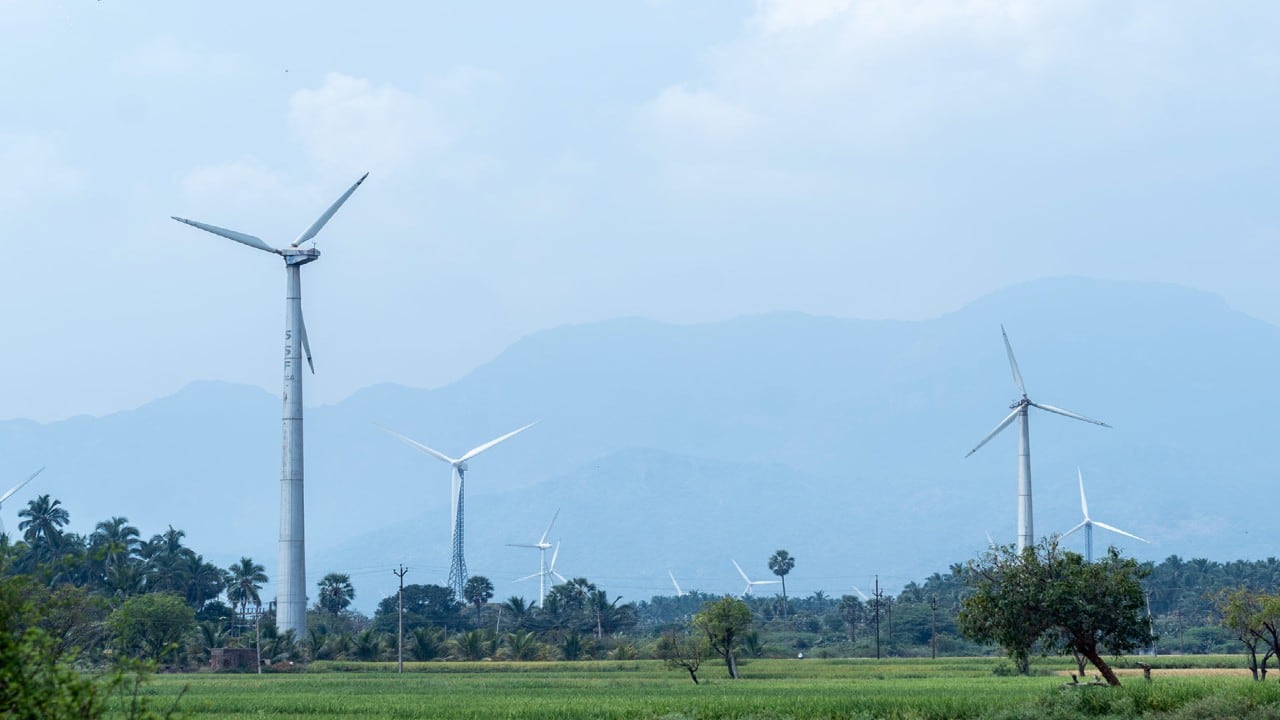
1084 504
740 572
860 593
319 223
528 577
991 542
19 486
519 545
1083 523
1068 413
1003 424
1105 526
559 577
766 582
552 567
306 344
409 441
543 539
1013 363
477 450
250 240
679 592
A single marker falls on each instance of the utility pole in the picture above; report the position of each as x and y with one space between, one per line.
400 611
933 638
878 595
258 643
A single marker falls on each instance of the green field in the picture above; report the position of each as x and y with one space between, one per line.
773 689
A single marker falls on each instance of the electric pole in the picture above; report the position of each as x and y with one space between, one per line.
878 595
400 612
933 638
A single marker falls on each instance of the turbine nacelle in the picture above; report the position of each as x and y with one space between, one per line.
299 256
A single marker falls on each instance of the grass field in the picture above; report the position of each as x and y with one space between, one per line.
770 689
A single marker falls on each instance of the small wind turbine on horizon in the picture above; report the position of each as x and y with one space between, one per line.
15 489
1026 530
542 546
546 572
751 584
679 592
458 566
291 600
1088 524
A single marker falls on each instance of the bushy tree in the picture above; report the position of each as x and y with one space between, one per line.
1055 598
151 626
723 622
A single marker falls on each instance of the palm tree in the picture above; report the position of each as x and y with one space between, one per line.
781 563
336 593
519 610
44 521
478 591
246 580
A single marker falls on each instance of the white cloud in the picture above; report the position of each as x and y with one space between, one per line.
167 55
349 125
705 116
36 170
240 183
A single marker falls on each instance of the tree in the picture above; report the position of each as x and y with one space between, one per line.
246 579
432 605
36 681
478 591
336 593
851 610
42 528
114 542
679 650
723 622
781 563
1055 598
151 625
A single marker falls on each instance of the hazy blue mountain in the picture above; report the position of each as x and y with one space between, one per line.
680 447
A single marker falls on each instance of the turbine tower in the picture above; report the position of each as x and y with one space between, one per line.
15 489
291 584
751 583
1088 523
542 546
458 566
1026 532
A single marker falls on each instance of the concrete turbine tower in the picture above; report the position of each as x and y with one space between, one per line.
1026 531
458 566
291 581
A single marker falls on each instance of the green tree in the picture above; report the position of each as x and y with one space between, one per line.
245 580
42 528
336 593
781 563
1048 596
36 681
151 626
723 622
478 591
851 611
683 651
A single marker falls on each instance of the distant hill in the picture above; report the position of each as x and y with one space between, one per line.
681 446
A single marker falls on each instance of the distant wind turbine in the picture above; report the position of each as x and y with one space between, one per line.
545 573
291 601
1088 523
458 566
860 593
542 546
679 592
15 489
751 584
1026 531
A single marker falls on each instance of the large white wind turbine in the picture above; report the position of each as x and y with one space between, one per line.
1026 532
15 489
547 572
458 566
1088 523
751 583
542 546
291 598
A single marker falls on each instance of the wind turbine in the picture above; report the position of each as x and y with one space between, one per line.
751 583
291 601
679 592
543 546
15 489
547 571
1089 522
458 567
1026 532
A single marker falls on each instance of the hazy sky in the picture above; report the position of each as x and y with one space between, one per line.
535 164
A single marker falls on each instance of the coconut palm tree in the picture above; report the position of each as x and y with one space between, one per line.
336 593
478 591
44 521
114 542
246 579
